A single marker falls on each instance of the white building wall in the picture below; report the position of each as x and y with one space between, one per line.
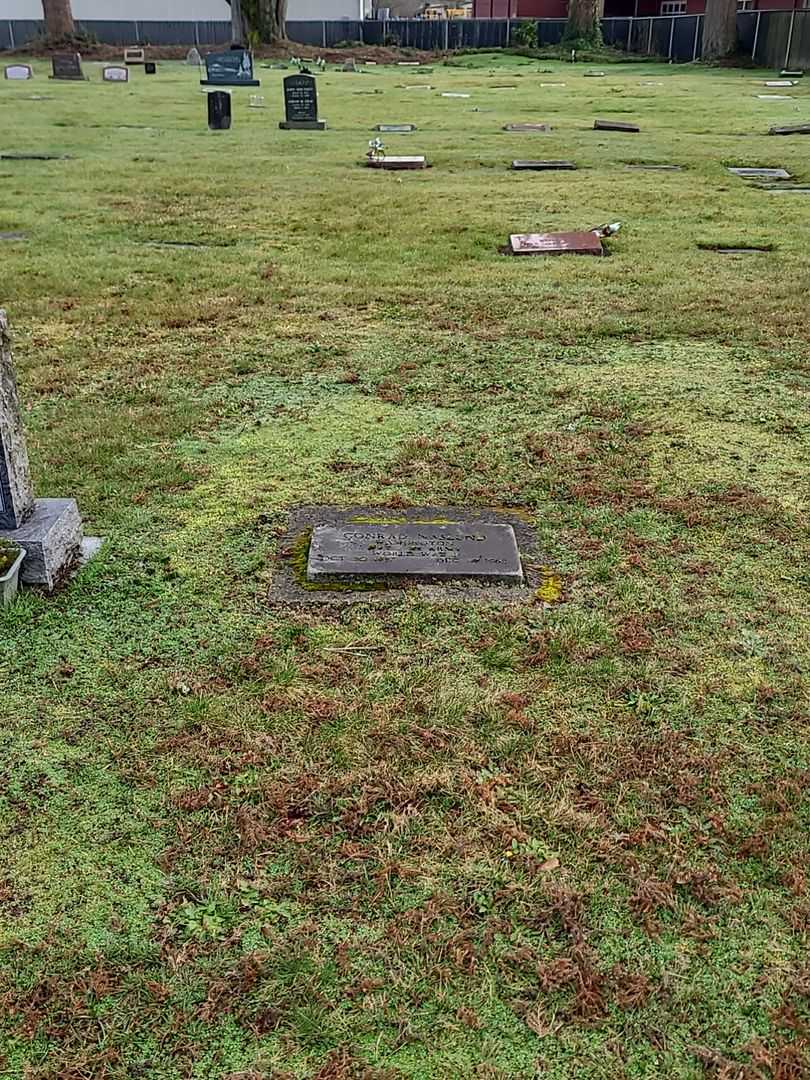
115 10
304 10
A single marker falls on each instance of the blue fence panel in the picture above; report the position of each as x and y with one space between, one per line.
550 31
307 33
18 32
683 39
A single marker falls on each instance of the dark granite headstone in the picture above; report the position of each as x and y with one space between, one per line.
232 68
67 66
791 129
150 67
219 110
301 104
614 125
415 551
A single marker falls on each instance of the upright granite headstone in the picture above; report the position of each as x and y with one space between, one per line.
67 66
150 67
50 530
219 110
232 68
301 104
18 71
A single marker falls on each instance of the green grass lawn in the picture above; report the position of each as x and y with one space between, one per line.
567 840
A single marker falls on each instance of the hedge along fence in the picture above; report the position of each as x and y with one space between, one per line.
771 38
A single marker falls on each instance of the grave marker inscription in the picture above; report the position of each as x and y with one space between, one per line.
417 551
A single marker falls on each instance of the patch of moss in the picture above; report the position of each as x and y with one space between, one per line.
8 556
299 557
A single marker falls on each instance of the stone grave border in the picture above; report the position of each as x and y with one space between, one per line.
290 585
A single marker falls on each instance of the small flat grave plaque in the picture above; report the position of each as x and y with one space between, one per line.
570 243
13 236
791 129
395 129
791 74
541 166
614 125
793 189
541 129
774 97
765 174
394 162
301 104
595 74
114 73
67 66
549 85
19 71
428 552
657 168
455 95
773 83
11 156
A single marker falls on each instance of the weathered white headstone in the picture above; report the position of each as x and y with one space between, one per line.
19 71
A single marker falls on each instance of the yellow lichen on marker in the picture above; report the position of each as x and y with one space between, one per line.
550 591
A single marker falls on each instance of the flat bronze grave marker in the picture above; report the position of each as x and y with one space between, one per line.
428 552
614 125
395 129
541 166
564 243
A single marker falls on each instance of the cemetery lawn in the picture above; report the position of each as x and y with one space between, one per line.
565 840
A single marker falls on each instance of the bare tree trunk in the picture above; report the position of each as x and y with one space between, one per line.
58 19
273 19
719 29
237 23
583 22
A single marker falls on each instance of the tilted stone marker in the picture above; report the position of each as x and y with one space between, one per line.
415 551
395 129
614 125
397 162
791 129
542 129
570 243
18 71
50 530
219 110
67 66
193 58
541 166
766 174
114 73
233 68
301 104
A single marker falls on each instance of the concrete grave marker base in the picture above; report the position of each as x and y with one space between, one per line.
566 243
541 166
377 555
302 125
52 538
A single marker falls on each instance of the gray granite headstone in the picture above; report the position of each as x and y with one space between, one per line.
416 551
67 66
49 530
16 489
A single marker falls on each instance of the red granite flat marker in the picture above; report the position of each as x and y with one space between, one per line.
565 243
